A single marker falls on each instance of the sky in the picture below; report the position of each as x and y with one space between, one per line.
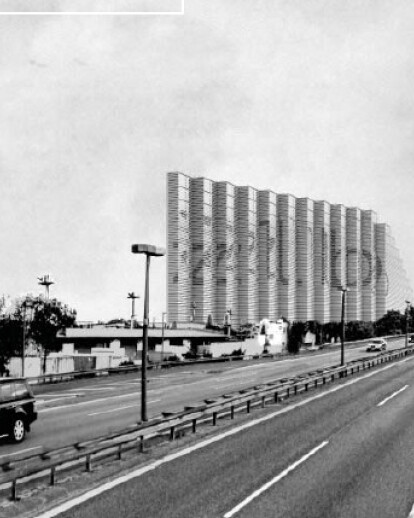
314 98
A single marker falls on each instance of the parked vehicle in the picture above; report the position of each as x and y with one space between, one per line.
377 344
412 339
17 408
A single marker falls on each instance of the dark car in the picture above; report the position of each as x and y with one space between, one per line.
412 339
17 408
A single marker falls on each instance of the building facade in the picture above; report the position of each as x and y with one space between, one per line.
242 254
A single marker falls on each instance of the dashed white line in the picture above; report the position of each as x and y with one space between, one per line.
119 408
274 480
75 405
393 395
22 451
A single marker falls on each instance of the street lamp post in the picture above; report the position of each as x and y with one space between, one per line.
132 296
343 289
46 281
162 337
155 251
407 312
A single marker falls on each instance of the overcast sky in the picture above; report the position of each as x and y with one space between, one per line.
314 98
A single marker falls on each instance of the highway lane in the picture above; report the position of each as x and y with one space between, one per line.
75 412
346 452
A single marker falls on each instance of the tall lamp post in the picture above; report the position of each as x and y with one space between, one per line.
46 281
149 251
343 289
133 297
162 334
407 313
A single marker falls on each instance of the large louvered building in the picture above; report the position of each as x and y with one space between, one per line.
256 254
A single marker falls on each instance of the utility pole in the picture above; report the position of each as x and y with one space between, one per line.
343 289
46 281
407 313
162 339
133 297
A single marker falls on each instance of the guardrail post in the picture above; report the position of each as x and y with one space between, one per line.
263 401
296 390
194 425
232 412
316 383
14 496
248 406
214 418
306 387
88 463
323 380
52 476
276 396
119 453
141 444
172 433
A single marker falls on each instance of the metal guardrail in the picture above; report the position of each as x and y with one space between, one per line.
68 376
15 472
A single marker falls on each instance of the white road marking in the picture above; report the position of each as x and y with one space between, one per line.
21 451
186 451
119 408
43 401
92 389
274 480
393 395
81 403
57 394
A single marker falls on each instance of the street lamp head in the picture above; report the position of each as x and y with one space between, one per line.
148 250
343 288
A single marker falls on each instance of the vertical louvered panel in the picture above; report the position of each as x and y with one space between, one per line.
322 260
267 260
201 236
224 251
338 259
247 255
353 253
286 264
368 267
178 247
304 260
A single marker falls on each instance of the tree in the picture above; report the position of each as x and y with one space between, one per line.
11 340
50 317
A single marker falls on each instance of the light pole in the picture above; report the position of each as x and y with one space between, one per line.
343 289
46 281
162 339
407 312
155 251
132 296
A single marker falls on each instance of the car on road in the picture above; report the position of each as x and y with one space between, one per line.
412 339
17 408
377 344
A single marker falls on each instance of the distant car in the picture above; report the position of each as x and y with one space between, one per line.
377 344
17 408
412 339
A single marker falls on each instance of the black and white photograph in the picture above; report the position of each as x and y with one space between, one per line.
206 303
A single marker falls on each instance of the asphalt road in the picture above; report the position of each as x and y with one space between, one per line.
345 452
85 409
